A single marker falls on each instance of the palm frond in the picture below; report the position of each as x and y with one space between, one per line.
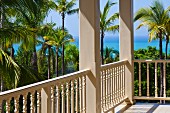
9 68
73 11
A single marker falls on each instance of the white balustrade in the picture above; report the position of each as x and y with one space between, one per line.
155 66
112 85
63 94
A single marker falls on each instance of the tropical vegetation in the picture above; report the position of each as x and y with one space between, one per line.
45 50
107 24
156 19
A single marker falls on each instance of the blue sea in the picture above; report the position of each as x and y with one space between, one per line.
140 42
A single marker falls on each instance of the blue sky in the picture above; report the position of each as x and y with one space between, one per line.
72 22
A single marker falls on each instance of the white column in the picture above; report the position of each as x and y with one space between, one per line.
127 43
90 51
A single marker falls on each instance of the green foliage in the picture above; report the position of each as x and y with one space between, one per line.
149 53
72 58
110 55
24 56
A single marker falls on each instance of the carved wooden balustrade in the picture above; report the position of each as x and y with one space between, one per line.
60 95
145 70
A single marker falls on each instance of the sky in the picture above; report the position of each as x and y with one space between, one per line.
72 21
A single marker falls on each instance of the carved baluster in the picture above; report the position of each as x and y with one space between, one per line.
52 99
120 82
111 86
106 76
123 79
57 99
102 89
76 109
72 96
80 94
118 78
164 79
25 103
8 106
116 84
147 79
156 79
39 101
108 73
16 104
140 93
84 94
68 97
32 107
1 106
63 99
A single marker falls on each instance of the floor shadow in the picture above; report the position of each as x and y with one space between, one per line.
139 108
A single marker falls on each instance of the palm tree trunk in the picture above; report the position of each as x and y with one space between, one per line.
161 65
12 52
1 26
49 64
2 82
53 61
1 16
34 59
56 62
102 44
166 50
63 65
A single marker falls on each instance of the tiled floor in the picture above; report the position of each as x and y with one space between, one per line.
144 108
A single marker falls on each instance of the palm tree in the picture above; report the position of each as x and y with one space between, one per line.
107 24
64 7
47 31
58 39
154 18
167 35
110 54
32 13
72 56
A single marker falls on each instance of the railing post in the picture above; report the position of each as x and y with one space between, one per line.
127 44
90 52
46 100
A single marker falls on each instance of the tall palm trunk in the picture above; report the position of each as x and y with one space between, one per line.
34 58
1 76
161 65
166 50
63 65
56 62
49 62
1 15
102 44
1 26
12 52
53 62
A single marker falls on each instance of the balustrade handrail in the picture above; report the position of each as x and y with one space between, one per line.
114 64
42 84
152 61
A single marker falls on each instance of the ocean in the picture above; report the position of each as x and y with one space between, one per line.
140 42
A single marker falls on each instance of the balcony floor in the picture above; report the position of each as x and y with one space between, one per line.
144 108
